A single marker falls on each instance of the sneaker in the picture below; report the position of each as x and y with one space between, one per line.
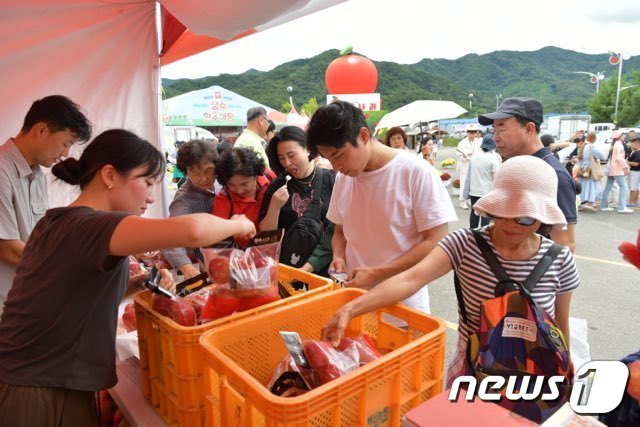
607 209
588 208
625 211
464 205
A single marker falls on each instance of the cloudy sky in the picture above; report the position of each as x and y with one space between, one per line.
406 31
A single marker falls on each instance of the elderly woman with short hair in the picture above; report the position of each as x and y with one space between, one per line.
397 138
196 160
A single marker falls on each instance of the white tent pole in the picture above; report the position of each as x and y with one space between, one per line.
162 194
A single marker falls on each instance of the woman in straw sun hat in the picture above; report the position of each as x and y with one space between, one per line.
522 199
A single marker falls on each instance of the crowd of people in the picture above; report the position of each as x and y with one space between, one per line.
607 175
372 209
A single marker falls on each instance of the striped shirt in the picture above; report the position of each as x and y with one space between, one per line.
478 282
189 199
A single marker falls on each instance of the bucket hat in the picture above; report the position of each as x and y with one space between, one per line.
523 186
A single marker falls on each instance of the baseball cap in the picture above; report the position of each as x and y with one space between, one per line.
488 143
525 108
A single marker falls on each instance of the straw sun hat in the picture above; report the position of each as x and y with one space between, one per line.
523 186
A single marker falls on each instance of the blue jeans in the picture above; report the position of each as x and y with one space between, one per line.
622 194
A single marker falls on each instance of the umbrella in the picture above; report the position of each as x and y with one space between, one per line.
421 112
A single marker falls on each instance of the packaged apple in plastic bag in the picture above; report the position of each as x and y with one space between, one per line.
326 361
221 302
257 266
167 303
246 278
331 362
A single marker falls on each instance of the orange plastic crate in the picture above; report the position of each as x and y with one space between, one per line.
241 358
170 364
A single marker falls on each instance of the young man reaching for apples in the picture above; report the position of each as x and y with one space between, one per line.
389 209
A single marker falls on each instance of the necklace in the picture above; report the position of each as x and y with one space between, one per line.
310 181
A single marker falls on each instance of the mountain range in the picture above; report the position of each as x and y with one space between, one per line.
546 74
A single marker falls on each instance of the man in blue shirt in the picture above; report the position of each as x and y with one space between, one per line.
517 132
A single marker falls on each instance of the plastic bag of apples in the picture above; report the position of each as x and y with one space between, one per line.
244 278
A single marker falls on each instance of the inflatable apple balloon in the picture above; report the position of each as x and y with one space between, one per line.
351 74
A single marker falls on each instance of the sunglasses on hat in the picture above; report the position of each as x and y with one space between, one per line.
521 220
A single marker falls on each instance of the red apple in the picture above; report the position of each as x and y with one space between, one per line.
219 270
129 317
161 304
351 74
183 313
222 302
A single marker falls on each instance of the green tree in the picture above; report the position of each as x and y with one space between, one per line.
629 108
310 107
602 105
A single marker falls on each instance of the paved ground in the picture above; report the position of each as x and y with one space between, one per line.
609 293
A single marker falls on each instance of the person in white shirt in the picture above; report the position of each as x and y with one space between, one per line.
466 149
389 207
482 169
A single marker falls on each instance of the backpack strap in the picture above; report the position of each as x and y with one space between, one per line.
505 284
317 201
496 268
542 266
463 308
317 185
503 279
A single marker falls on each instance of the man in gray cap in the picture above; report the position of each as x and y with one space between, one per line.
253 136
516 124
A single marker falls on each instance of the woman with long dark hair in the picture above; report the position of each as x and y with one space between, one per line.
290 196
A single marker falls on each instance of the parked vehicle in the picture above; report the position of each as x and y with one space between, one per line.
601 127
186 133
562 127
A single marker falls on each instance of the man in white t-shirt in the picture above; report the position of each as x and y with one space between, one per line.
465 150
389 207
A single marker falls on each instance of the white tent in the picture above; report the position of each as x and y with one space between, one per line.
422 111
296 119
105 55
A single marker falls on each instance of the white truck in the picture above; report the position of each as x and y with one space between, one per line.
601 127
562 127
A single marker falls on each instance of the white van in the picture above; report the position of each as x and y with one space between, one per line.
173 134
187 133
601 127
